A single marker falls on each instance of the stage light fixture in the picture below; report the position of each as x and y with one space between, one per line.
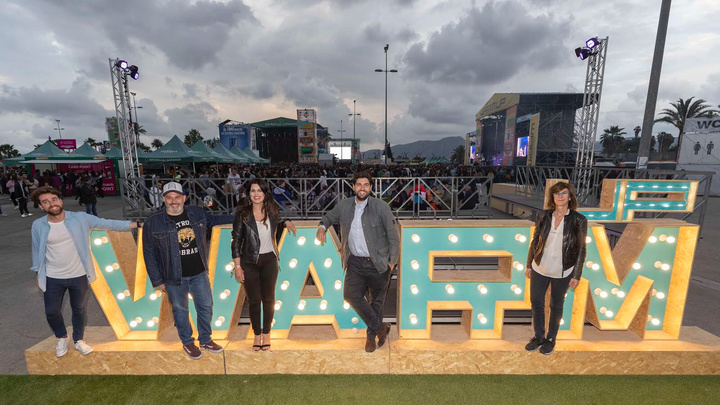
582 53
122 64
592 43
134 72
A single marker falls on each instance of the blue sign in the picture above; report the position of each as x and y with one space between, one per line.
235 134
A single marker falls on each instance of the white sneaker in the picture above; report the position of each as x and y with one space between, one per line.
16 207
23 215
83 347
29 214
61 348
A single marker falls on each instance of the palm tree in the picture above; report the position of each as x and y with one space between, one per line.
637 130
664 141
138 129
8 151
682 110
612 139
156 143
458 155
92 142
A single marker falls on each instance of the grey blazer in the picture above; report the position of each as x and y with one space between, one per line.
379 226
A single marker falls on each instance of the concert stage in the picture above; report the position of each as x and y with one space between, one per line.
316 350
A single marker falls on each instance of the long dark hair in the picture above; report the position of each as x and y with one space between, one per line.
269 207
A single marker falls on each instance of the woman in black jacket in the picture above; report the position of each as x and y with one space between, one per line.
255 253
556 259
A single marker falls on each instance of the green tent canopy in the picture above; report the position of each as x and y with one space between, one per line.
203 148
86 151
252 154
174 151
221 149
48 150
240 153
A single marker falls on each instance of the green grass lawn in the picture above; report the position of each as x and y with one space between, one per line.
360 389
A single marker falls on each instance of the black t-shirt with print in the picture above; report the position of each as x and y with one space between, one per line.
192 264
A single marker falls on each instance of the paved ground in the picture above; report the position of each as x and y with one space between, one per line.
22 319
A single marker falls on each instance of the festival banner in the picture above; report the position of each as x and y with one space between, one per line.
307 136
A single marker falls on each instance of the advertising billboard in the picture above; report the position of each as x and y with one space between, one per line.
307 136
111 125
67 144
532 143
509 143
232 134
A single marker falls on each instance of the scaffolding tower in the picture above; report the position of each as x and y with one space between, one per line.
590 111
131 191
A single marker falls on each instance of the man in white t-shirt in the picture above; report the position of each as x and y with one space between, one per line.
61 257
235 180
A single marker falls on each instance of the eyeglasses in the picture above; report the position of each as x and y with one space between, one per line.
562 194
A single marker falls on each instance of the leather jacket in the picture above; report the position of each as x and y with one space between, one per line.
246 239
573 243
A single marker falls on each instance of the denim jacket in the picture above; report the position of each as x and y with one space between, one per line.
161 248
79 225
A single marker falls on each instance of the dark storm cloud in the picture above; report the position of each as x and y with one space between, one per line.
310 92
74 102
200 116
189 35
489 45
191 90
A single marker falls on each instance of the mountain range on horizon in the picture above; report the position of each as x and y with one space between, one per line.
440 148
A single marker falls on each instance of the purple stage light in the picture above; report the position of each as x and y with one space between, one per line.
134 72
582 53
122 64
592 43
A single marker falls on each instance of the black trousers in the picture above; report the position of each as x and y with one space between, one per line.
260 282
361 279
22 201
538 287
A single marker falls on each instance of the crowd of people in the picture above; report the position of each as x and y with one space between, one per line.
18 184
220 186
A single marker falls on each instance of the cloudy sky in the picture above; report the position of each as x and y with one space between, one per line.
202 62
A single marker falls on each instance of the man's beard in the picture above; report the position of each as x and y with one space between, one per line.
52 211
357 195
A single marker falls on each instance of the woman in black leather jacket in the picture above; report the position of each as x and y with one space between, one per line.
556 259
255 253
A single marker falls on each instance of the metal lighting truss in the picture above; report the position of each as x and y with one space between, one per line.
128 143
590 111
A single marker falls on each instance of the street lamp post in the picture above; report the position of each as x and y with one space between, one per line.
386 71
58 128
354 115
341 130
136 125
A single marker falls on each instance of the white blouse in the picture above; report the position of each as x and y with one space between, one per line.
266 245
551 263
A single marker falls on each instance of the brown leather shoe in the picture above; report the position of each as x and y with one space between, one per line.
370 345
383 334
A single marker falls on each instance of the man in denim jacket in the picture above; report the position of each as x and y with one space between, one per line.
61 257
175 250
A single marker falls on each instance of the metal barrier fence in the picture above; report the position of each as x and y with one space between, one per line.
530 182
311 198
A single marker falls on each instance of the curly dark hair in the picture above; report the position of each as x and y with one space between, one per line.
270 208
35 195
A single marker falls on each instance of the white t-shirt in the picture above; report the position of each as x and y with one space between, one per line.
266 245
235 180
61 257
551 263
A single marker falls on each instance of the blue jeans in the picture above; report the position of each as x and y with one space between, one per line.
91 208
199 287
54 295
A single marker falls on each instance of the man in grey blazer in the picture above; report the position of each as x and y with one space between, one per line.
370 249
